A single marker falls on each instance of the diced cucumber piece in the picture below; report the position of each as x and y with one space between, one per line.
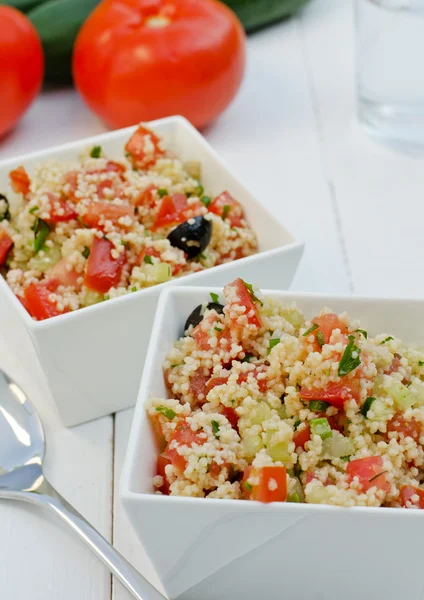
401 395
296 488
159 272
338 445
417 389
379 411
294 317
252 445
91 297
282 411
279 452
260 413
46 258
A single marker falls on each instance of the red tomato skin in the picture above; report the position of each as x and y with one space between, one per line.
245 300
183 436
366 470
407 427
193 65
407 491
103 271
96 211
262 383
235 213
19 180
144 148
146 198
162 461
214 382
38 304
6 243
301 437
261 491
198 385
61 275
231 416
21 66
335 393
171 211
60 210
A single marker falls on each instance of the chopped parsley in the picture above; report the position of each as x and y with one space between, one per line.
350 359
79 218
364 333
248 486
215 428
296 425
320 338
311 329
33 210
148 259
199 190
133 289
272 343
247 358
321 427
125 244
41 231
205 200
162 192
86 252
386 340
345 458
168 413
178 365
6 214
215 298
218 329
96 152
375 476
408 384
420 363
366 406
226 211
106 297
249 288
294 498
318 405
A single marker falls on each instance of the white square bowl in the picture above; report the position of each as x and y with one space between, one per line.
93 357
221 549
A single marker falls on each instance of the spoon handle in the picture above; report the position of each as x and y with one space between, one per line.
47 496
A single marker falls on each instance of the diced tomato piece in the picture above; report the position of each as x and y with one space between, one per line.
171 211
407 492
103 271
214 382
226 206
38 303
104 185
60 210
99 211
370 473
215 469
266 484
182 436
114 167
162 461
262 382
335 393
301 437
6 243
147 197
231 416
20 181
244 298
407 427
198 385
71 178
144 147
326 325
394 367
62 274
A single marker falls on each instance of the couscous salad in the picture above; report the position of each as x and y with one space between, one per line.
266 404
72 236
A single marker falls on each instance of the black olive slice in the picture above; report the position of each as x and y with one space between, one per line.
192 236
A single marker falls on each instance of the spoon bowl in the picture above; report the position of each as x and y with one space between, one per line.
22 448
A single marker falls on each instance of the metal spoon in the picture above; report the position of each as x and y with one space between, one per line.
22 447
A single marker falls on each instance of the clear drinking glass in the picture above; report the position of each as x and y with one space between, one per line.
390 71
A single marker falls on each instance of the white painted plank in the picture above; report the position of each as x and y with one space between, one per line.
379 192
39 557
124 538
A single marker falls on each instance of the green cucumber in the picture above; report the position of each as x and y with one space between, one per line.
57 23
258 13
24 5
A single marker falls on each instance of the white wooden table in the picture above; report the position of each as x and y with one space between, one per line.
292 136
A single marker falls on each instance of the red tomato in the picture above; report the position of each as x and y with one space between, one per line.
71 178
301 437
335 393
231 416
270 487
226 206
145 59
406 493
103 271
183 436
98 211
214 382
327 324
38 304
21 66
262 383
61 274
60 210
370 473
144 148
19 180
198 385
146 198
406 427
171 211
162 461
244 299
6 243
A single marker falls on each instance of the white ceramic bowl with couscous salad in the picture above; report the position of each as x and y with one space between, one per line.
91 231
277 445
